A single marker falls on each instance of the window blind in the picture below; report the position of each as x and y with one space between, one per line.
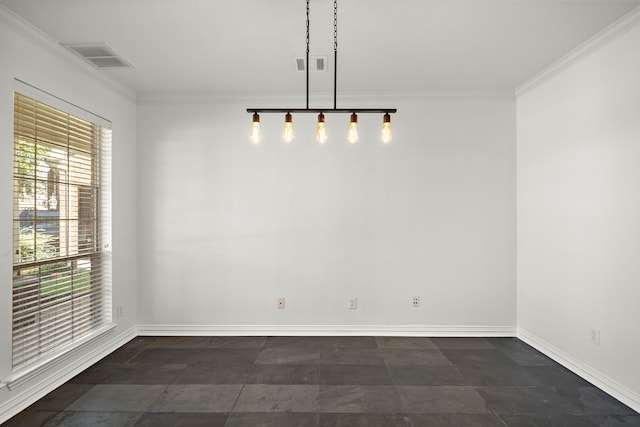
61 223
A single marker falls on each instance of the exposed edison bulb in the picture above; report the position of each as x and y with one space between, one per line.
322 129
352 136
256 135
288 128
386 135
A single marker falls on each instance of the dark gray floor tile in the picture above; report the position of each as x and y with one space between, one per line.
109 373
293 342
94 419
162 356
351 357
528 358
61 397
214 373
121 355
364 420
277 398
224 355
93 375
288 356
182 419
237 342
497 375
117 398
521 353
545 420
556 376
348 342
196 398
463 343
180 342
618 420
272 419
426 375
140 342
354 374
503 343
528 401
30 418
394 357
444 399
359 399
594 401
283 374
406 343
456 420
477 357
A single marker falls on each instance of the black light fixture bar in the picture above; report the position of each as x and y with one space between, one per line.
322 110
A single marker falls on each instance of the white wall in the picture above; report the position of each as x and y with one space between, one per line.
579 214
34 59
226 227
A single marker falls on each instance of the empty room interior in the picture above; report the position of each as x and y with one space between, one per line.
420 193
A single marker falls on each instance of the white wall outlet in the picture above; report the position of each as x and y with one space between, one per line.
352 303
594 337
415 301
281 302
119 312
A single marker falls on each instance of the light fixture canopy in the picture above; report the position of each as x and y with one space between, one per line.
321 126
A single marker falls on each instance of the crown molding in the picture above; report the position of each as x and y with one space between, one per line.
601 39
36 36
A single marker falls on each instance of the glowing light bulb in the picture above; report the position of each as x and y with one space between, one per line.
256 135
288 128
352 136
386 135
322 129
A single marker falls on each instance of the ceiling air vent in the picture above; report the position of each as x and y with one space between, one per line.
316 63
100 55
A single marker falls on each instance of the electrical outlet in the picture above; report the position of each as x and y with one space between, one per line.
120 312
281 302
415 301
594 337
353 303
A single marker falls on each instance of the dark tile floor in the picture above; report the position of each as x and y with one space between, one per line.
327 381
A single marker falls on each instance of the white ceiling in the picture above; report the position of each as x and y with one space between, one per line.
231 47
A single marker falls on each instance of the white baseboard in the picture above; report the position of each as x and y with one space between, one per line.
595 377
49 381
329 330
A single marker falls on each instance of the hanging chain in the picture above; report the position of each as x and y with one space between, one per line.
307 26
335 25
306 62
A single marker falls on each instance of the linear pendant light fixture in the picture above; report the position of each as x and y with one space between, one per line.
321 134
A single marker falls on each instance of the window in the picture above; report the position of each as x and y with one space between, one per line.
61 264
